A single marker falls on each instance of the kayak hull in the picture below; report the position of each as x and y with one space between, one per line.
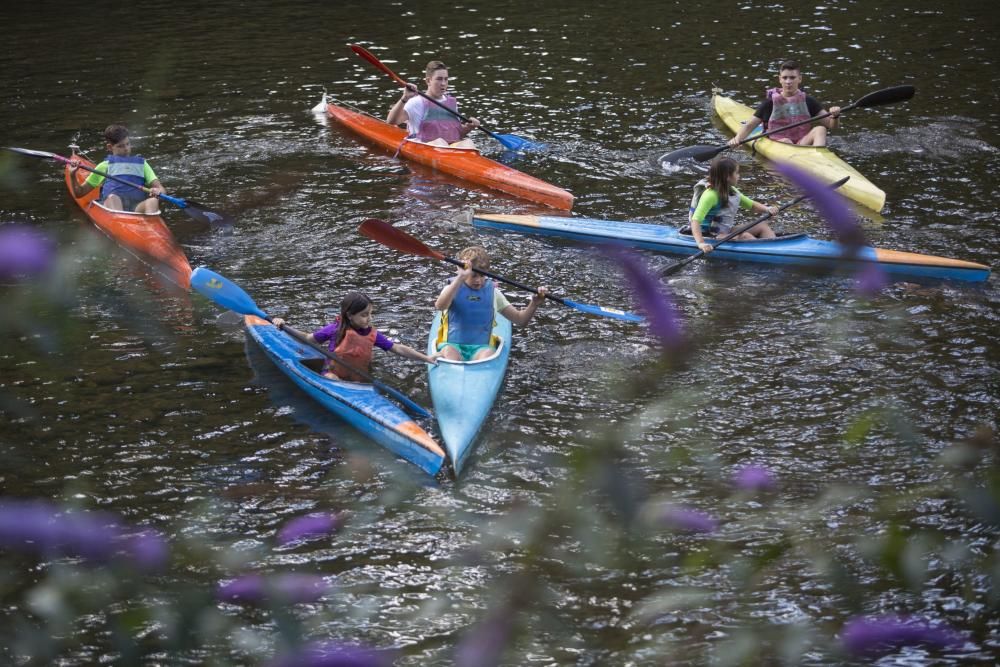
144 235
794 250
463 163
818 161
359 404
463 392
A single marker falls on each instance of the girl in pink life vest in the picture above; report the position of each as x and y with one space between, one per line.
716 201
786 105
354 341
121 164
427 122
470 303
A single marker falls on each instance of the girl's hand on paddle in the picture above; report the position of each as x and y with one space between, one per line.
74 164
473 123
733 142
278 322
773 210
706 247
538 298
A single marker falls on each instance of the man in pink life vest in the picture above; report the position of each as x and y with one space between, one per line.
787 105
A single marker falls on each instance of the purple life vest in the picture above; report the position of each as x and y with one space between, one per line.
787 111
438 123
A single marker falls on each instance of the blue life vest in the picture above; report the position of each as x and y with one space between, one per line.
470 316
128 168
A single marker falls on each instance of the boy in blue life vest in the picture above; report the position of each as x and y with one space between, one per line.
470 303
121 164
786 105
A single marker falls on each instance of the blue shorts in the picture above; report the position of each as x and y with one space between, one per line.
130 201
467 351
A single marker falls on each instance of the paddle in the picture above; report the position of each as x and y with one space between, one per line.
509 141
701 153
197 211
386 234
230 296
677 266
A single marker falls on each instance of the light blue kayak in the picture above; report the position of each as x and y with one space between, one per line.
792 249
463 392
357 403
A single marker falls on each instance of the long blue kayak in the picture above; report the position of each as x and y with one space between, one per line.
792 249
463 392
357 403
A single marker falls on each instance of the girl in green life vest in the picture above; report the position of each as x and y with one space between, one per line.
714 204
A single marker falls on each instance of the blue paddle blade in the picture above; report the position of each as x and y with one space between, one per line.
223 292
613 313
516 143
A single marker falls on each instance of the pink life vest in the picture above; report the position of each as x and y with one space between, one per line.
438 123
787 111
356 350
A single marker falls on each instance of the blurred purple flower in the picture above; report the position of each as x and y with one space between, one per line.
876 635
754 478
332 654
24 251
483 645
43 529
871 280
830 204
664 320
685 519
308 527
281 588
833 208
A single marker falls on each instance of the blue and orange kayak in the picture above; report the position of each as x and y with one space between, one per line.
359 404
793 249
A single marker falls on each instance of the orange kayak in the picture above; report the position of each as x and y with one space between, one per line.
464 163
144 235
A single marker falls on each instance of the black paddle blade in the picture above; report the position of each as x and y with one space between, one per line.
886 96
689 153
205 215
709 153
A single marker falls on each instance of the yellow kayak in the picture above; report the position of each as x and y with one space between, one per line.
819 161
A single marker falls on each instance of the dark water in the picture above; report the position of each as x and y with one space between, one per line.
137 401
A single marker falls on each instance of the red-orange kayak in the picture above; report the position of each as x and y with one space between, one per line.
144 235
464 163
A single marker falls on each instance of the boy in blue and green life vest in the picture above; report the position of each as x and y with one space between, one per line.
787 104
469 304
715 202
121 164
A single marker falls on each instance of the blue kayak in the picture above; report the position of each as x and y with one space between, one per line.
463 392
357 403
792 249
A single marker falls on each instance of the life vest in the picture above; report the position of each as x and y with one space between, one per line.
129 168
355 349
721 216
470 317
438 123
786 111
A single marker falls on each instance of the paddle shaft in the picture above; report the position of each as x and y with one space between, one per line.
674 268
528 288
402 398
